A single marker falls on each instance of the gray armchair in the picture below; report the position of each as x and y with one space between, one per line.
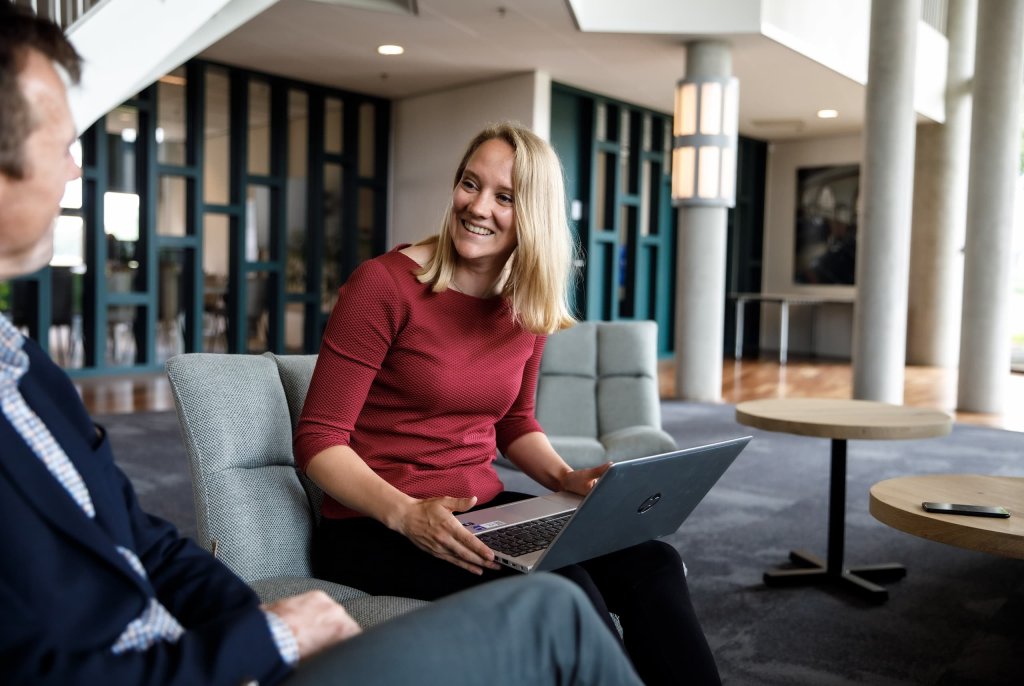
597 396
236 414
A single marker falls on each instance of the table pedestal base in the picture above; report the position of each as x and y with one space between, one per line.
811 569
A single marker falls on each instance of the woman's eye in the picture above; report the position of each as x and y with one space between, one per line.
468 185
505 198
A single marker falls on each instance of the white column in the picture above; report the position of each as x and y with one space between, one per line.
883 240
940 206
700 266
995 146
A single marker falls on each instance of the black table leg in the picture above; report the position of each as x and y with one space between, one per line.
811 569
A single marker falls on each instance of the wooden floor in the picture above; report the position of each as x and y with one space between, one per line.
741 380
932 387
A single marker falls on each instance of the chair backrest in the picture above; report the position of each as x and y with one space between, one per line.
295 372
235 422
599 377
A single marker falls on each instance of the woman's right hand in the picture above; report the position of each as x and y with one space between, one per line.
431 525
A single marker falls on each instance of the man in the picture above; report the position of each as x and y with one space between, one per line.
95 591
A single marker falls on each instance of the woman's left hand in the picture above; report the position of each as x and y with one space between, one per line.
581 481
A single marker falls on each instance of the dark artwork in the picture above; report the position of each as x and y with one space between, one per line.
826 224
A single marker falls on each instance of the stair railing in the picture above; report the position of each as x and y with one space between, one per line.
62 12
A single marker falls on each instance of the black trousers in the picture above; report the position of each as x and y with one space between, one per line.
644 585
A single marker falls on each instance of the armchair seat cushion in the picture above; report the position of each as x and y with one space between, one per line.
632 442
579 451
625 444
366 609
278 587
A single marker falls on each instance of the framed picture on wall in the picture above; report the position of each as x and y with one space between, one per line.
825 246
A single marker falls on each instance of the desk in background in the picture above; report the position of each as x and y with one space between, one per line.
784 300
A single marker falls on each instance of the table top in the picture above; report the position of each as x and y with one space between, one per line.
897 502
845 419
796 298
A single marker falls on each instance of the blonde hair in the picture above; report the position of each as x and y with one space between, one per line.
537 276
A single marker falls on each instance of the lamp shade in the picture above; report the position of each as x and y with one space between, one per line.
704 139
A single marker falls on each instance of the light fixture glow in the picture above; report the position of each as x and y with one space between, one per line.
173 80
704 142
390 49
827 114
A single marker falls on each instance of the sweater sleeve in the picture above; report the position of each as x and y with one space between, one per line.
360 331
520 419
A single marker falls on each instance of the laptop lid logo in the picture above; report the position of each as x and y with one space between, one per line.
649 503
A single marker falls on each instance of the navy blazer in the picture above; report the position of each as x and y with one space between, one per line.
66 594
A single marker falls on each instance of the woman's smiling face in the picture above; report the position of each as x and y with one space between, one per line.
483 225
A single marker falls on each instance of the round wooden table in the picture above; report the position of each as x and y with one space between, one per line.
840 421
897 502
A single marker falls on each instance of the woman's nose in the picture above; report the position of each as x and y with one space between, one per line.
480 205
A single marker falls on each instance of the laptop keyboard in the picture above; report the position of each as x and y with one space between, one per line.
520 539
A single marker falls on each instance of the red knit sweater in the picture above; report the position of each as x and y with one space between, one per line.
422 386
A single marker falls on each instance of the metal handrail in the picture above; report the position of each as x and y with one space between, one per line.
61 12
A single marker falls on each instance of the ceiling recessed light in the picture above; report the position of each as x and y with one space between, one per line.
390 49
827 114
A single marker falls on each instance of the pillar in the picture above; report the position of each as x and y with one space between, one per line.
883 240
940 206
700 266
995 145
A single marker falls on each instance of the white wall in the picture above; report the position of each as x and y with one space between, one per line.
123 53
430 134
832 324
667 16
835 33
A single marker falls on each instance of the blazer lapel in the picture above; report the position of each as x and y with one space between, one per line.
27 474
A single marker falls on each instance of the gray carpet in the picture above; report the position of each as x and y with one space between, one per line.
955 619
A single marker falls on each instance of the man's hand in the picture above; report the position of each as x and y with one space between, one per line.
316 621
431 525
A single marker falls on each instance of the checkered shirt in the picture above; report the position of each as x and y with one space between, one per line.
155 623
13 365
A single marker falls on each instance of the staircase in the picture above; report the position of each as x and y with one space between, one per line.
63 12
128 44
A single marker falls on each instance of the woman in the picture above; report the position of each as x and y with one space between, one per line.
428 366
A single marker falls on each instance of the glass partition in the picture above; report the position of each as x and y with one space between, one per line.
216 241
217 138
334 110
297 190
171 304
259 127
170 128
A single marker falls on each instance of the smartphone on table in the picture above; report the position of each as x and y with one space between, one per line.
970 510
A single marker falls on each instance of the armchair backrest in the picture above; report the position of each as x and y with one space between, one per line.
234 416
599 377
296 371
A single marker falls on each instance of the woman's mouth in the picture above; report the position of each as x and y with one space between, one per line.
476 230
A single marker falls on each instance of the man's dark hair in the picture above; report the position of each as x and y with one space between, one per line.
21 31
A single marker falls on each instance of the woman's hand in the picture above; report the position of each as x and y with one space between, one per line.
581 481
432 527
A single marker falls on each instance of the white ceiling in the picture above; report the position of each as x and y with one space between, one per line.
454 42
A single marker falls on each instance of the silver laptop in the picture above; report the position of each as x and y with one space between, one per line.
633 502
